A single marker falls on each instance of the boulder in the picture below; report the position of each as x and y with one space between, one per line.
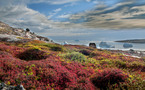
3 86
127 45
105 45
65 43
93 45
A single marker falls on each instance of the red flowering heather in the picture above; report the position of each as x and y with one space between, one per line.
106 77
44 69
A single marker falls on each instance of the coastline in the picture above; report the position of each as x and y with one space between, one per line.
132 41
131 52
127 52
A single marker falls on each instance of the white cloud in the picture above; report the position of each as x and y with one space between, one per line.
112 18
64 16
71 4
57 10
67 32
22 17
54 1
54 13
17 14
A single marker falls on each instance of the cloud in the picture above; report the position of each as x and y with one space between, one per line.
64 16
22 17
54 1
124 15
67 32
54 13
121 16
57 10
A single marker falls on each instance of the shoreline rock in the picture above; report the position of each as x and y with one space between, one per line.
131 52
3 86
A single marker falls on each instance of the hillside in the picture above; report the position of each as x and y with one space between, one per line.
18 34
48 66
30 60
6 29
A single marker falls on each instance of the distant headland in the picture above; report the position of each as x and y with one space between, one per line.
132 41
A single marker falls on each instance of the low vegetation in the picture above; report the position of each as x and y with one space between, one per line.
74 56
46 66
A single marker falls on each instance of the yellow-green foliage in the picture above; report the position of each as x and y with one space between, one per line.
36 42
33 46
53 47
74 56
20 37
136 64
93 61
135 82
106 61
120 63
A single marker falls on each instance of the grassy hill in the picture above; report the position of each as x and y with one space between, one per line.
46 66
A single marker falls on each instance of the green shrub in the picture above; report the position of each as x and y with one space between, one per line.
120 64
75 56
135 65
106 61
53 47
56 48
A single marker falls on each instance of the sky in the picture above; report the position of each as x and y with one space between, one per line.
76 19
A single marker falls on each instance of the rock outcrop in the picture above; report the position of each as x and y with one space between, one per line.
105 45
127 45
3 86
7 30
93 45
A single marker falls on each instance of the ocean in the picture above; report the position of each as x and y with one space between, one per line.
118 45
108 36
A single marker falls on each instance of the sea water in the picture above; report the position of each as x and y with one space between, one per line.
118 45
108 36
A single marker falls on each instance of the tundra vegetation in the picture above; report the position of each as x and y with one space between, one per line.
48 66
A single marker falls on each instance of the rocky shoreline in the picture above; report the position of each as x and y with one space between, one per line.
131 52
